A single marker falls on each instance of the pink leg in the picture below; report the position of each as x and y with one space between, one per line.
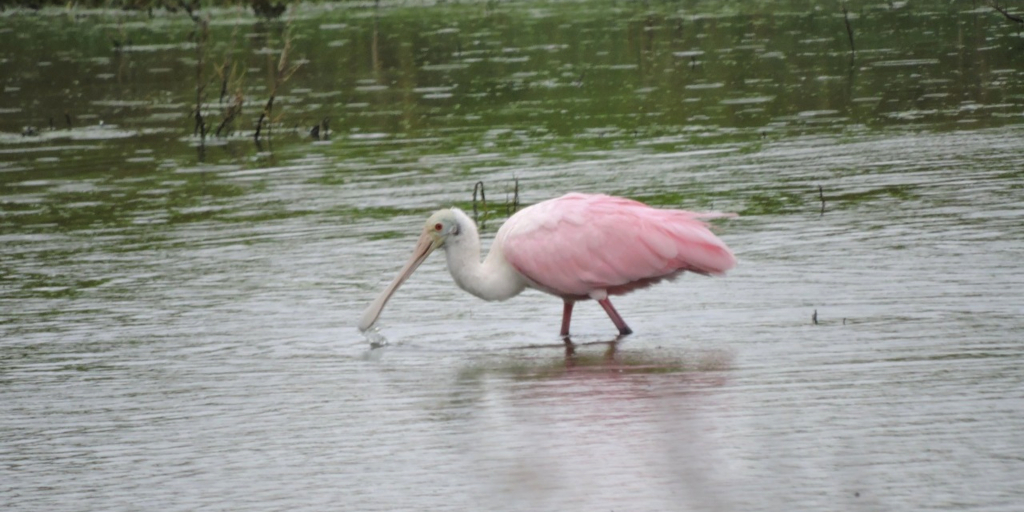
616 319
566 316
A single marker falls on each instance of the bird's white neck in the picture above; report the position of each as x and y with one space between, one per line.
494 278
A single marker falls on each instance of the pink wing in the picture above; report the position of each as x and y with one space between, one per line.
579 243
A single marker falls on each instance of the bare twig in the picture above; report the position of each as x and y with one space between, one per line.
511 208
223 75
849 29
191 9
267 10
231 79
280 74
483 200
1011 17
263 116
322 130
202 35
232 111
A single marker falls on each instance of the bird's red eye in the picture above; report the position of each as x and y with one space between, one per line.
438 226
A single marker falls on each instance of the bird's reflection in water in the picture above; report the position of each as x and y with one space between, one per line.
537 417
609 354
620 355
616 356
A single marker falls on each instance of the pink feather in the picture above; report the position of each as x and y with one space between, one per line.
580 243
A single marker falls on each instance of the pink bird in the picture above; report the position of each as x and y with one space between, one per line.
577 247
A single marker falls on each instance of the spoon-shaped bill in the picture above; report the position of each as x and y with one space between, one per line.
424 246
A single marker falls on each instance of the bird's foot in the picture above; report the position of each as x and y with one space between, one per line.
570 347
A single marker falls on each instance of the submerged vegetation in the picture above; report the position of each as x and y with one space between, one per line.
564 90
261 8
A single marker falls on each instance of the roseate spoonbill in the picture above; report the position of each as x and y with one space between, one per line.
577 247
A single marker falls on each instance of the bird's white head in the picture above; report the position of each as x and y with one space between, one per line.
444 226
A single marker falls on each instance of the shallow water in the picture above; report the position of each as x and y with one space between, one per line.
177 323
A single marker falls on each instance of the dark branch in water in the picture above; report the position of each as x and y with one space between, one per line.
267 10
814 317
322 130
232 112
201 34
483 200
280 74
191 8
1011 17
579 81
511 208
230 87
223 80
263 115
821 196
200 123
849 29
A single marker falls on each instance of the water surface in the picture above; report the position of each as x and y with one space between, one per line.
177 312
